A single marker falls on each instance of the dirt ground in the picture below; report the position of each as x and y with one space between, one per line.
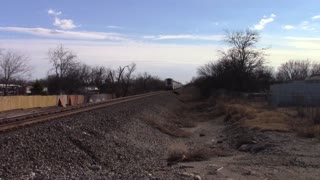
237 152
165 137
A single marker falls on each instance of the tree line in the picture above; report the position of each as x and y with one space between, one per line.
70 76
243 67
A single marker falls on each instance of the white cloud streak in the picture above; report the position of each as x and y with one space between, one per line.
288 27
53 12
264 21
115 27
315 17
302 38
66 34
304 25
185 37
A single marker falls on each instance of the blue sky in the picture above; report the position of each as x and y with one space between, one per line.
167 38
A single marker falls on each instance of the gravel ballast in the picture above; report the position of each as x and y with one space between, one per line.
109 143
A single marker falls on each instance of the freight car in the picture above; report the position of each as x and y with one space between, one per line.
170 84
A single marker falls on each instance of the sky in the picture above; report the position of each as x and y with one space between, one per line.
167 38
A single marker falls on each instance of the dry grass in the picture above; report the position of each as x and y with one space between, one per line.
305 127
181 153
270 120
256 116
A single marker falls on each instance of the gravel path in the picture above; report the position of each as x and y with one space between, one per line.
110 143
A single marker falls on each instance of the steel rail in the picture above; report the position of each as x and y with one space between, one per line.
58 110
19 121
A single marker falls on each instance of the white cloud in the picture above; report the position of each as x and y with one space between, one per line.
61 23
115 27
315 17
53 12
288 27
64 23
185 36
304 25
264 21
66 34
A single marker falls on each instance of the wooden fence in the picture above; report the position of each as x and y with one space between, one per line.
26 102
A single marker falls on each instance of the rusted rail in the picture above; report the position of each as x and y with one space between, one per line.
19 121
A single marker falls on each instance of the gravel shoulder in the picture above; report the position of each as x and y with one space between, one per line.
109 143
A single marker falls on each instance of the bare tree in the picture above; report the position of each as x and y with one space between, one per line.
206 70
63 61
297 70
119 80
315 70
13 65
146 82
114 79
111 80
239 68
145 78
243 52
98 77
127 78
85 72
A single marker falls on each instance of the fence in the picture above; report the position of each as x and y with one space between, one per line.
26 102
297 93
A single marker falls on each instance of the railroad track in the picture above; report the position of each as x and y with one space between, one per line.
23 120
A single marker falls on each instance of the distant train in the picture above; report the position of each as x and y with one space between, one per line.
171 84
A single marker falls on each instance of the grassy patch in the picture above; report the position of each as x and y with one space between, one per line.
257 117
305 128
261 117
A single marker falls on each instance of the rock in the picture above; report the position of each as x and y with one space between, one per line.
213 169
245 147
253 148
95 168
197 177
258 147
32 175
186 174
